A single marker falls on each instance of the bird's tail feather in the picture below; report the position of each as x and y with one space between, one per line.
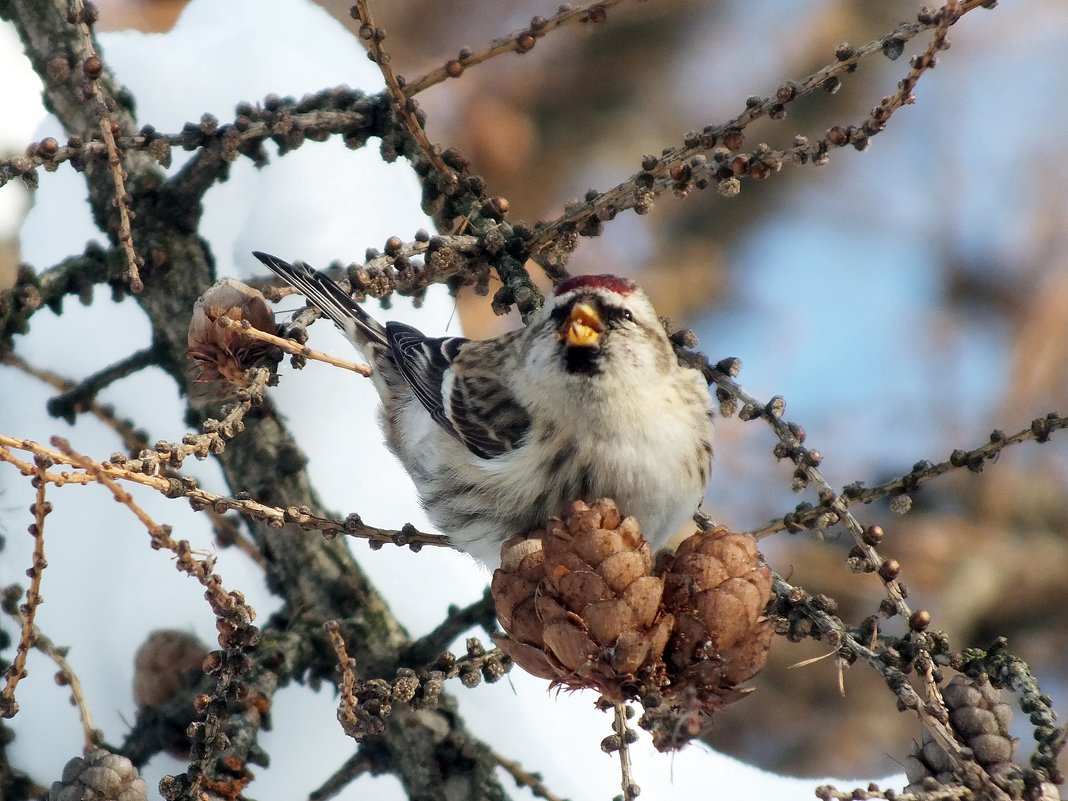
329 298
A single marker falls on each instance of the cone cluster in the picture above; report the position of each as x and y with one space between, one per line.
583 607
981 720
99 776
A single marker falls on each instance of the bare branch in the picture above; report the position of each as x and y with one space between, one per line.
73 276
131 439
92 67
65 675
404 107
142 471
791 438
520 42
353 768
626 736
680 168
826 792
79 397
808 516
524 778
8 705
431 645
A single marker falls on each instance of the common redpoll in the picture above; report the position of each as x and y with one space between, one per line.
588 401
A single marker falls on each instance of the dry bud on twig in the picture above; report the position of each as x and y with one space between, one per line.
225 353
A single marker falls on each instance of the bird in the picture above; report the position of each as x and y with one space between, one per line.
498 435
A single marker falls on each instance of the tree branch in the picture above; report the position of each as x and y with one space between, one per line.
680 168
809 516
78 399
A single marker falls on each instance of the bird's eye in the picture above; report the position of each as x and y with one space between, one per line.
628 315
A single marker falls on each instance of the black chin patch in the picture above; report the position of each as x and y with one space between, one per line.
582 360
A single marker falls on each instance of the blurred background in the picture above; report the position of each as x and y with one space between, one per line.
905 300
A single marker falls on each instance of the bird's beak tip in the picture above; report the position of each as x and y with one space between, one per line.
582 328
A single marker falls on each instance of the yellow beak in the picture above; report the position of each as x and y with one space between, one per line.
582 328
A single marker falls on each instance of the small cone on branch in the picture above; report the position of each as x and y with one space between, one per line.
717 589
579 601
981 721
99 776
167 663
224 354
583 607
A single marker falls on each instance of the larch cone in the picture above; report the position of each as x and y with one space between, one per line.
583 607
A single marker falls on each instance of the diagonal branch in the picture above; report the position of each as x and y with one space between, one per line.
807 516
404 107
80 397
431 645
520 42
25 614
687 165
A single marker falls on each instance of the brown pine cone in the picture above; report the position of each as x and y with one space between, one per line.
716 589
579 603
99 776
582 607
165 664
981 721
224 354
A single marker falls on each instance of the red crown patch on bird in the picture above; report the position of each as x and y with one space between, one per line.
613 283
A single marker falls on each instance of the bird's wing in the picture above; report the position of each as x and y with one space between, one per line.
475 407
329 298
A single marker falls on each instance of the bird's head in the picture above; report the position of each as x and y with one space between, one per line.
598 319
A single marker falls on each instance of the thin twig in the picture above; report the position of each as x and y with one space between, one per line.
521 41
947 15
92 68
345 662
356 721
404 107
351 769
936 704
66 675
807 461
1040 430
8 705
631 790
289 346
186 487
524 778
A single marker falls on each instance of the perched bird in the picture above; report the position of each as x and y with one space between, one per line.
588 401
